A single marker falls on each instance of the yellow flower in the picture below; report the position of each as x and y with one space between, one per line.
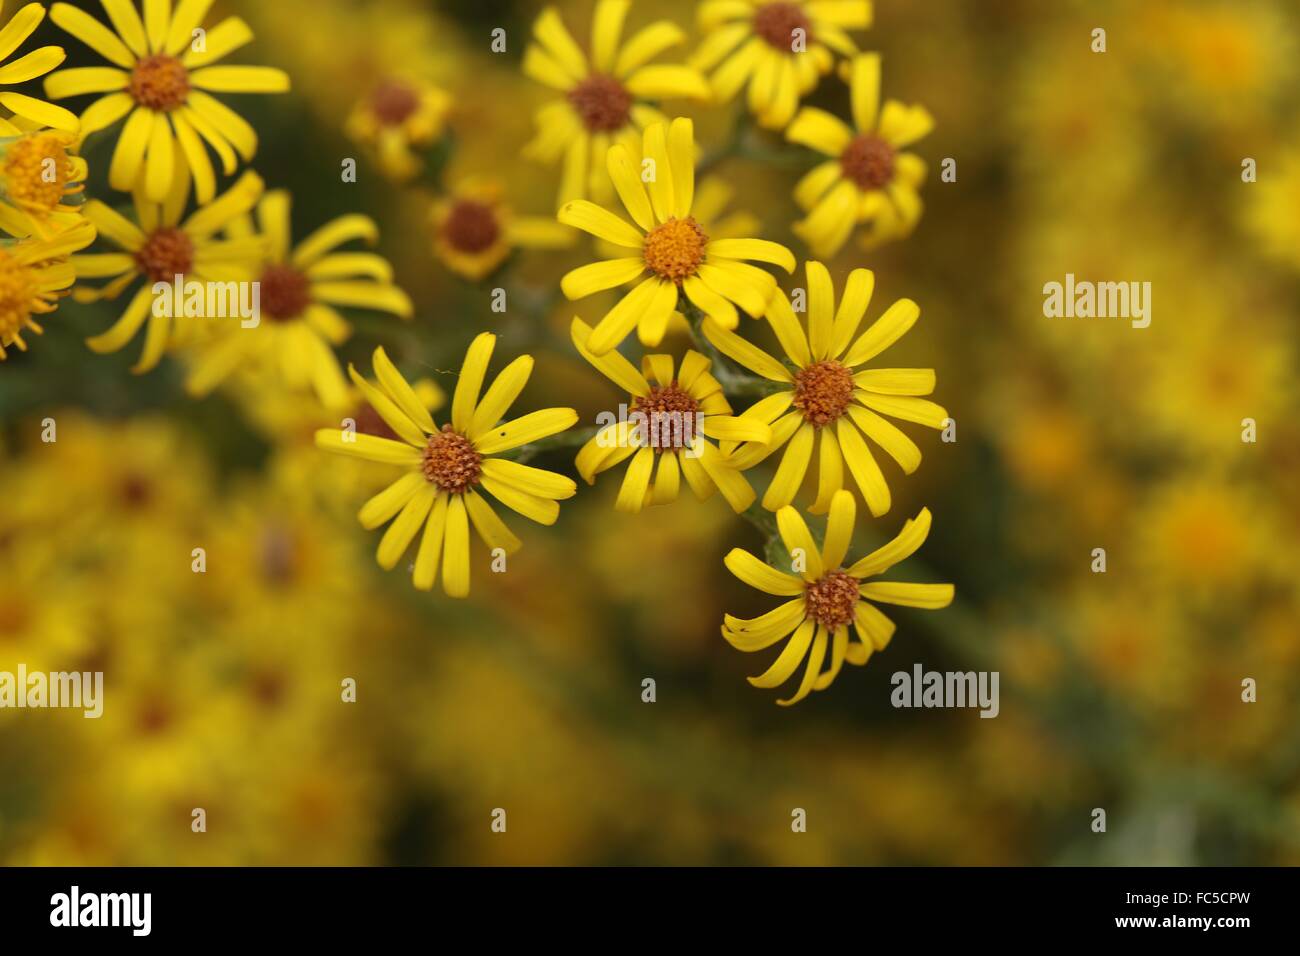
165 91
299 286
669 243
605 97
830 400
34 274
32 202
869 179
28 67
399 117
157 247
1268 213
474 230
670 414
826 597
781 48
447 465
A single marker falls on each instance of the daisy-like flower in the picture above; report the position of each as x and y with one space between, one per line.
826 597
605 98
670 415
32 201
831 401
34 274
782 49
398 119
28 67
157 247
668 243
162 76
474 231
448 466
869 179
299 288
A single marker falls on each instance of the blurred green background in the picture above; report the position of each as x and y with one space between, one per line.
1119 690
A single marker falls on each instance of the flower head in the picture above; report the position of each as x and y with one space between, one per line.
161 80
781 48
28 67
869 178
826 598
159 246
474 230
448 466
672 414
300 290
34 274
668 243
41 185
397 118
605 96
829 401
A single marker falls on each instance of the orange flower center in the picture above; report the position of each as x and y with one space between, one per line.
160 82
167 253
602 103
832 599
17 292
285 292
471 226
393 102
29 180
451 462
670 414
868 161
823 391
675 249
776 23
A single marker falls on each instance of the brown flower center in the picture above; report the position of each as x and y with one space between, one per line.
160 82
451 462
393 102
602 103
776 23
869 162
167 252
471 226
675 249
670 417
832 599
823 391
285 292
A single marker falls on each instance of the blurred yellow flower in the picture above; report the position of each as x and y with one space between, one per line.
830 399
781 48
826 597
1269 210
398 118
447 464
870 179
165 91
299 289
605 96
671 414
474 231
34 274
41 186
669 243
28 67
158 246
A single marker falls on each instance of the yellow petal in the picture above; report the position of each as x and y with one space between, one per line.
455 550
788 660
863 467
528 428
368 447
819 130
929 596
884 332
790 473
601 223
839 529
402 531
762 576
904 545
472 372
815 658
